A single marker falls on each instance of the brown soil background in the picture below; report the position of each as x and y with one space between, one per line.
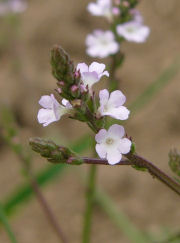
25 75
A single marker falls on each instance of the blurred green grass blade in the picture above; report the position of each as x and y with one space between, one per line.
154 88
24 192
120 219
5 223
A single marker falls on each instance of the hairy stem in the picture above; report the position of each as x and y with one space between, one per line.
89 205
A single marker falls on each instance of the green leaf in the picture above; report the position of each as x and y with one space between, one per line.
7 227
120 219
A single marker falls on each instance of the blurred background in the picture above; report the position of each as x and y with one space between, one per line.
25 75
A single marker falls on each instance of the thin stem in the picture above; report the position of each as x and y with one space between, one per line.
25 160
154 171
95 161
134 159
47 210
89 205
137 160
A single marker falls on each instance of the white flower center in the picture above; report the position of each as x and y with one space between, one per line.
109 141
130 29
103 41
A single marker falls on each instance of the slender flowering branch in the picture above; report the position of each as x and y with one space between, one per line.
53 154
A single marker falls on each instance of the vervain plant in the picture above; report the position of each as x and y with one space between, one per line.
80 102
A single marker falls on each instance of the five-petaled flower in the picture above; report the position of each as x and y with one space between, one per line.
92 74
101 44
52 110
112 104
133 31
111 144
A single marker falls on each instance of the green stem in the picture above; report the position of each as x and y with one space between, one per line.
6 225
89 205
116 62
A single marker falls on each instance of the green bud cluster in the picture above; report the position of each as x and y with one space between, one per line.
53 152
64 71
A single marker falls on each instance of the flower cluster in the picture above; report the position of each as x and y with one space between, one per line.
12 6
126 24
75 86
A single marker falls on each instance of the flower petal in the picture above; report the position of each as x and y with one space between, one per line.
116 131
113 156
94 9
124 146
101 150
101 136
103 96
89 78
83 67
97 67
117 98
46 101
120 113
46 116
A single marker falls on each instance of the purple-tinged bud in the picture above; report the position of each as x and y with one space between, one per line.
126 4
74 88
77 74
59 90
75 92
61 83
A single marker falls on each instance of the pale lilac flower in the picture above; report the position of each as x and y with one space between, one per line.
133 31
101 8
101 44
12 6
112 104
110 144
52 110
92 74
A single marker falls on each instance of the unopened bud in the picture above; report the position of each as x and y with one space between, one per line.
77 74
61 83
59 90
53 152
126 4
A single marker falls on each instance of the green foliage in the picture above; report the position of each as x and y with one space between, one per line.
120 219
5 223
